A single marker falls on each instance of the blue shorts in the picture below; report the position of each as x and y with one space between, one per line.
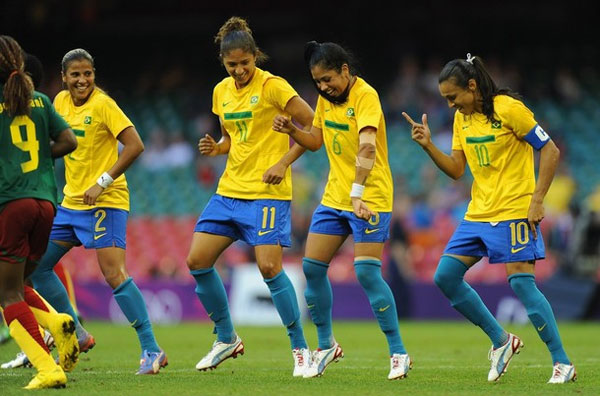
94 229
503 242
331 221
256 222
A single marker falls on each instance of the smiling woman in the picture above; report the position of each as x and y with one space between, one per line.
96 205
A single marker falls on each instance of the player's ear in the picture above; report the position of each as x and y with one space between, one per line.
472 85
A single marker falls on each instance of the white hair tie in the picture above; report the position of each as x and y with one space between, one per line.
470 58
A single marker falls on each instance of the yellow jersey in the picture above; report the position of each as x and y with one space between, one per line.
96 124
340 125
500 160
247 115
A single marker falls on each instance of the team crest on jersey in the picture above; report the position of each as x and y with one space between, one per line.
87 120
254 100
350 112
496 125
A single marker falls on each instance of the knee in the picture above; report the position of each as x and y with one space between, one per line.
313 269
269 269
196 263
442 279
367 274
521 283
449 273
115 276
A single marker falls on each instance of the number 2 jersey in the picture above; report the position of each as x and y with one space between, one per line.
26 164
500 156
96 124
247 115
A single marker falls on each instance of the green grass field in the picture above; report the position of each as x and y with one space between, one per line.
450 358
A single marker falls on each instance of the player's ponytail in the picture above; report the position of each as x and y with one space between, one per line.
18 87
460 71
236 34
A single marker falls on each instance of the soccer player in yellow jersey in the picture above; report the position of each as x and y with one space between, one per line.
96 204
357 199
252 202
495 134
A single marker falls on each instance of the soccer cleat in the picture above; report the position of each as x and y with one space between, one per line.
219 352
86 342
65 338
563 373
399 366
53 379
301 361
321 359
501 357
21 360
152 362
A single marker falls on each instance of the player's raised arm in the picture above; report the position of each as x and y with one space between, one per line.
453 165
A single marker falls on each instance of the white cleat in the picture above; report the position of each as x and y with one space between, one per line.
399 366
321 359
563 373
21 360
301 361
502 356
219 352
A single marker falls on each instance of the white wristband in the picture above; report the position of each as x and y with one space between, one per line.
105 180
357 190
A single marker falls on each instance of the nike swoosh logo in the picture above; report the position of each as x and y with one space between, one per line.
384 308
210 314
310 306
513 250
96 237
370 231
465 127
226 103
542 328
261 233
326 110
133 323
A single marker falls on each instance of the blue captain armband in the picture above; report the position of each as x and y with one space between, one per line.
537 137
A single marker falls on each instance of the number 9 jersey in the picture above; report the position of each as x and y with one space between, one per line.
26 164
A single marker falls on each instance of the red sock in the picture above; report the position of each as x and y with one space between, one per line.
33 299
21 313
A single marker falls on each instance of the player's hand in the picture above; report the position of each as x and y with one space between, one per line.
92 194
361 210
208 146
275 174
283 125
420 133
535 215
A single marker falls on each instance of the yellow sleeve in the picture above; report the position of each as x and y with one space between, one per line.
518 118
113 117
368 111
278 92
215 100
456 144
318 120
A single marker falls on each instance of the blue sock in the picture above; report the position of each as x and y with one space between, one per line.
319 299
449 278
132 303
48 284
540 314
212 295
284 299
382 301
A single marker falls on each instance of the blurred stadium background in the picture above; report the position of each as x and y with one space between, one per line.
160 64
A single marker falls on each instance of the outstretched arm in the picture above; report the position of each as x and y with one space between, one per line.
453 165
